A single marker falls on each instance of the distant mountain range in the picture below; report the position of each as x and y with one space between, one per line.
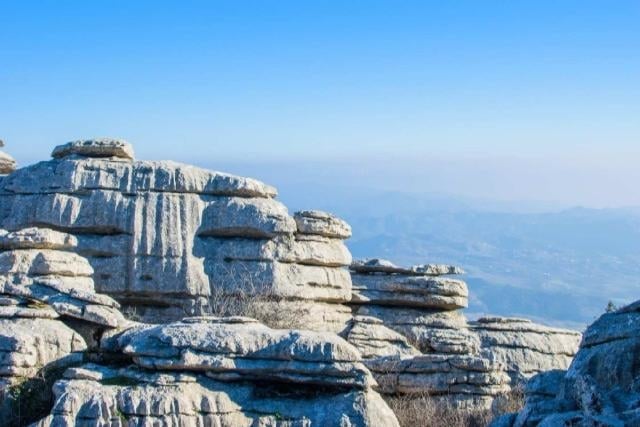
538 260
559 267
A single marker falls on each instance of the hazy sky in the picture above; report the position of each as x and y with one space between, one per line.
531 100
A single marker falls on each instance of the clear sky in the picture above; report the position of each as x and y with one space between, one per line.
545 91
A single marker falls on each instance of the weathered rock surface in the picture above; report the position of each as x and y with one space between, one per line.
524 347
241 348
466 380
221 371
96 395
161 236
322 224
602 385
377 265
420 342
429 292
100 147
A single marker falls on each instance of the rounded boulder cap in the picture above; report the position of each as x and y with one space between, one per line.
98 147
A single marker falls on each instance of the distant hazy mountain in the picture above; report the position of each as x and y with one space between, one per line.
559 267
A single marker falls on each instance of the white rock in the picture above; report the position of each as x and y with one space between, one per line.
322 223
99 147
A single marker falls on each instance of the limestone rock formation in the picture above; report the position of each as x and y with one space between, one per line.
49 310
214 371
7 163
600 388
165 238
524 347
420 341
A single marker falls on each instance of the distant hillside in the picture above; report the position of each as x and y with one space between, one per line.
559 267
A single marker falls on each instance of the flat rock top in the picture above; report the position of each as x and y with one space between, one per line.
99 147
514 324
383 266
37 238
322 224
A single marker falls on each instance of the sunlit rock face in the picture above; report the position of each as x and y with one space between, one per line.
161 236
221 371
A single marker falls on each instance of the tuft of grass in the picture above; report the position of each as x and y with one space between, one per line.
429 411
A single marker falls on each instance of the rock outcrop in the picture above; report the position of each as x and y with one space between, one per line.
414 338
164 238
7 163
50 313
600 388
214 371
524 347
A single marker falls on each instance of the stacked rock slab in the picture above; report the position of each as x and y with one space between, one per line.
43 288
409 327
214 371
7 163
600 388
524 347
162 235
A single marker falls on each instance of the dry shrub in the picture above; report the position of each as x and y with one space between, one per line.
428 411
260 304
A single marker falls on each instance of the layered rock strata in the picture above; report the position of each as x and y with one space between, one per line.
524 347
600 388
165 238
414 338
213 371
49 310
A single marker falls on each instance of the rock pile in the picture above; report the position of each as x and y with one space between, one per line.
602 385
413 336
214 371
43 289
7 163
524 347
161 236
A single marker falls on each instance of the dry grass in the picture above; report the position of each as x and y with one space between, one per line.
259 304
427 411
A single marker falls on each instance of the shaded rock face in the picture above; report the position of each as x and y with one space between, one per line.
161 235
215 371
600 388
524 347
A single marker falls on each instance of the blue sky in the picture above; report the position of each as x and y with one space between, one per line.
422 83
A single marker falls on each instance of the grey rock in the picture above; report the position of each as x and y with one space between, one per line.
37 238
602 385
428 292
322 224
99 147
440 374
524 347
7 163
241 348
103 396
383 266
